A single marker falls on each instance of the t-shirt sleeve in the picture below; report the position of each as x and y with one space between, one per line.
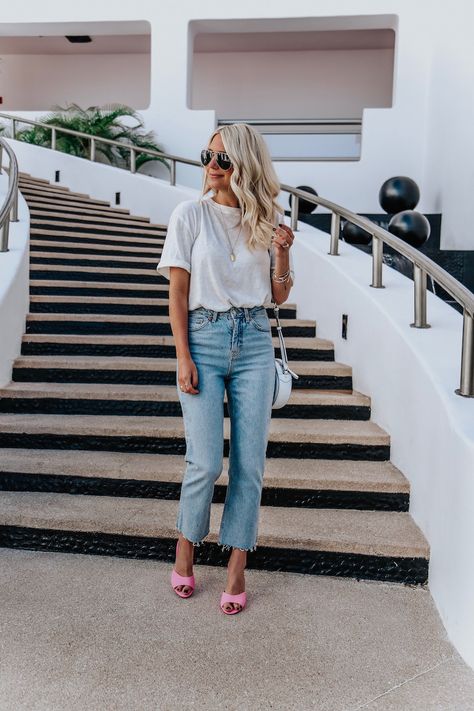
281 219
179 239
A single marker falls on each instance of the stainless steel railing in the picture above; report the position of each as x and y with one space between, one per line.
423 266
9 209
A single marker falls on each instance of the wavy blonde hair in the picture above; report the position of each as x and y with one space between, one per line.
253 180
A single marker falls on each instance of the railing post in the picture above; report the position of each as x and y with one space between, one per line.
53 138
335 232
13 128
92 149
173 172
419 291
467 358
295 206
133 161
377 255
4 236
14 210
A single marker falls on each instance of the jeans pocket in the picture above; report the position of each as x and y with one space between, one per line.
261 321
195 323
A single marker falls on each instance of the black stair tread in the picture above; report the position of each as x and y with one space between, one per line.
113 213
306 342
53 195
124 245
104 286
320 474
125 318
160 393
302 431
97 257
67 229
120 363
43 206
364 532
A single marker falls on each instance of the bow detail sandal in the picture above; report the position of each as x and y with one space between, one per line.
177 580
240 599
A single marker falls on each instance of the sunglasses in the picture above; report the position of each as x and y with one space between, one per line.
222 159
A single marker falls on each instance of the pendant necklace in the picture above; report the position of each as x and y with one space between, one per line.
222 221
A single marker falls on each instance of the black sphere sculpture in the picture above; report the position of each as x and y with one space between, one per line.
304 207
399 193
353 234
412 227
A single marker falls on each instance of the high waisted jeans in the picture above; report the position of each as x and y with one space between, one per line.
233 352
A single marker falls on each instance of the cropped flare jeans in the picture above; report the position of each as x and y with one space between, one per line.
233 353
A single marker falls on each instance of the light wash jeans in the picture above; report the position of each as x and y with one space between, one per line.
232 351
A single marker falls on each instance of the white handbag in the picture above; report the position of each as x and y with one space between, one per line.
283 374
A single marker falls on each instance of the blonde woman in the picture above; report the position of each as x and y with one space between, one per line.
226 255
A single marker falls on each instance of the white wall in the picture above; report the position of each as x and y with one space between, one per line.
449 171
33 82
410 375
396 141
299 84
14 285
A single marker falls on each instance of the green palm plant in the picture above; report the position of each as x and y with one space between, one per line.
98 121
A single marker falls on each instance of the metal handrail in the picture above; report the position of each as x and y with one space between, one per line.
9 209
423 266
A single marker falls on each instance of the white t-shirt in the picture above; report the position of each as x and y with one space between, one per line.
217 282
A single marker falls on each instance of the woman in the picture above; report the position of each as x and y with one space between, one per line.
225 257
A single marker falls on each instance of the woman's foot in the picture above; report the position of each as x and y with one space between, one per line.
184 561
235 577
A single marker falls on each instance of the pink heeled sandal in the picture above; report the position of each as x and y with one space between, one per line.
240 599
177 580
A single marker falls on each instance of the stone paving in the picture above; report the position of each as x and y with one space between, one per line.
93 633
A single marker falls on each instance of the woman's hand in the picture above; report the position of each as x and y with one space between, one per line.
283 239
187 375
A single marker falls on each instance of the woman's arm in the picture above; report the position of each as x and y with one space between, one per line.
178 311
281 291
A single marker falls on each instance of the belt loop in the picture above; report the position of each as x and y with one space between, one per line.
214 316
247 317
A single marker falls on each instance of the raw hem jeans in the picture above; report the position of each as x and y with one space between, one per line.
233 353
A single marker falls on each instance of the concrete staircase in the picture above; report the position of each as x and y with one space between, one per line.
91 435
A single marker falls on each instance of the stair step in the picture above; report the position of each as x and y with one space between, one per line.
157 371
46 194
325 474
310 348
28 176
97 241
89 288
71 228
135 324
106 273
151 400
92 250
45 207
367 544
55 218
345 484
314 439
45 186
110 215
120 261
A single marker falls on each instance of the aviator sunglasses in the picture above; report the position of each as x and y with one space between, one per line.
222 159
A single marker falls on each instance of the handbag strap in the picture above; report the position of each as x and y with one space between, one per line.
284 358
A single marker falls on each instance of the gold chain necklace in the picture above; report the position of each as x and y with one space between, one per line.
222 221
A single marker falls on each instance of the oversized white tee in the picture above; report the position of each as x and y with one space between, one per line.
217 282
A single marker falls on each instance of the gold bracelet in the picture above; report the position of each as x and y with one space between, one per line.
282 278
